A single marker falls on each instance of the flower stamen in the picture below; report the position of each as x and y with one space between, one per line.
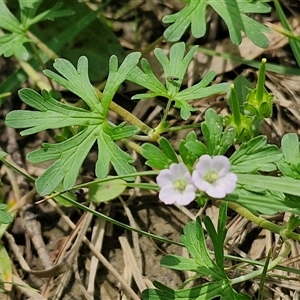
212 175
176 185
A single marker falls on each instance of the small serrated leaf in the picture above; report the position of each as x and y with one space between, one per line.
196 147
255 155
109 152
155 157
12 44
70 155
116 76
168 149
212 129
232 12
52 114
8 21
76 81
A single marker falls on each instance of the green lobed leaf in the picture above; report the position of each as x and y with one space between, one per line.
193 239
174 67
29 18
76 81
155 157
12 44
218 237
117 76
206 291
110 152
147 79
52 114
188 156
196 147
268 203
168 149
233 12
212 129
8 21
69 156
185 109
279 184
255 155
194 11
179 263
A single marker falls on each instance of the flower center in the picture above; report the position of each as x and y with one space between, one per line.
180 185
211 176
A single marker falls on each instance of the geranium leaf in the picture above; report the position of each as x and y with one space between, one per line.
233 12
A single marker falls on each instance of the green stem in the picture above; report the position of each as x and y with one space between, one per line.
261 221
177 128
113 221
127 116
167 109
150 47
33 74
272 265
38 57
162 126
132 145
283 19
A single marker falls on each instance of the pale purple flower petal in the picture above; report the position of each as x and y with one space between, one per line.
212 175
176 185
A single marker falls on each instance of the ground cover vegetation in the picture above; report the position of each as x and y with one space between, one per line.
149 149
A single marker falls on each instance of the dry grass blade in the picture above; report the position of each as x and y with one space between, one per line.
128 254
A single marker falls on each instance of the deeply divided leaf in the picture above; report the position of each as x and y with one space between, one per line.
51 114
255 155
233 12
69 154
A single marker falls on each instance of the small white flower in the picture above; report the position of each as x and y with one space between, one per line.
212 175
176 185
